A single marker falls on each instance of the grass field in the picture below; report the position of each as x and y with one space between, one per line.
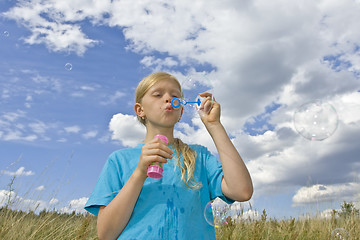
51 225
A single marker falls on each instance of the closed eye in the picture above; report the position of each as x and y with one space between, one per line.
157 94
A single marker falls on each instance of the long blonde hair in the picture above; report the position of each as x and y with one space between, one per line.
182 149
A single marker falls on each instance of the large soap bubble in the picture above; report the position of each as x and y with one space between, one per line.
193 84
216 214
316 120
340 234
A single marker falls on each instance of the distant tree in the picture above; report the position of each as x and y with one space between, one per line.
348 209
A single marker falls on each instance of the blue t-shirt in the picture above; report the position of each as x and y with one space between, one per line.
166 208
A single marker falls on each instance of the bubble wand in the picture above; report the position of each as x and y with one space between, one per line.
176 103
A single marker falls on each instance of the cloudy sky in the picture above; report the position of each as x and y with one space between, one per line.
68 70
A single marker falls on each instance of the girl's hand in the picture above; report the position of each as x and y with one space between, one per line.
211 117
153 151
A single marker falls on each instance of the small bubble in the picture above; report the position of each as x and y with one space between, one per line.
68 66
6 33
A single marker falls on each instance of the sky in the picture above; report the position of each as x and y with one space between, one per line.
69 69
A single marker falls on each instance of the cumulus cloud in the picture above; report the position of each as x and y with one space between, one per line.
12 200
45 22
75 205
326 193
126 129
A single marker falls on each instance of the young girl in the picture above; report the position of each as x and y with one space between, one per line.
130 205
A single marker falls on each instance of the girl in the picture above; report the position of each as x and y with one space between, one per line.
129 205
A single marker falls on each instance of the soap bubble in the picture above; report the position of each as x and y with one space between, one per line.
216 214
6 34
316 120
193 84
340 233
68 66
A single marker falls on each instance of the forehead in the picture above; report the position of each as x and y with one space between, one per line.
166 84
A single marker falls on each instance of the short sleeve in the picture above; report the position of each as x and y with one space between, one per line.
107 186
215 176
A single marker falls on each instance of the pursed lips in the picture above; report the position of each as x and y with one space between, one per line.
169 108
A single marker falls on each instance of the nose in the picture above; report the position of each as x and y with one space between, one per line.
167 98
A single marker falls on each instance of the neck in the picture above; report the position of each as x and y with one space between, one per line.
168 132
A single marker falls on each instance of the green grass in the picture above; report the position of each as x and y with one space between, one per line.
52 225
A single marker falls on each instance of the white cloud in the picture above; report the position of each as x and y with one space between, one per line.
158 63
16 202
18 136
113 98
62 140
126 129
90 134
53 201
89 88
20 172
72 129
56 35
40 188
326 193
76 205
13 116
38 127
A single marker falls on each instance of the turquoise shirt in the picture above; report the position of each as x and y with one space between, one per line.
166 208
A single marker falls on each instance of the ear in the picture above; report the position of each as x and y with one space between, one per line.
139 110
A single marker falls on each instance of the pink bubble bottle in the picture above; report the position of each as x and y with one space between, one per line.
155 170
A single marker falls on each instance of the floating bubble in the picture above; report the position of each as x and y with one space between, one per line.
6 34
194 84
216 214
316 120
340 233
68 66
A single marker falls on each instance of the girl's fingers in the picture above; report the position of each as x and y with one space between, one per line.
206 104
157 148
205 94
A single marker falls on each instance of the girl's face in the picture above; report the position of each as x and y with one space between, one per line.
156 104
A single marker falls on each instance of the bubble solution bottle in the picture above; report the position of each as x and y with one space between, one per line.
155 170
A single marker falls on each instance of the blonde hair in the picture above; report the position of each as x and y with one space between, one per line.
187 168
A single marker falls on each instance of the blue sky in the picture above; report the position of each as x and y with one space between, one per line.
57 126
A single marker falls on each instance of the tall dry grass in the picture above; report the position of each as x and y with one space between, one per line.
51 225
45 225
301 229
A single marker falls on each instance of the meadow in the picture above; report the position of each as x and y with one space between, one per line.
52 225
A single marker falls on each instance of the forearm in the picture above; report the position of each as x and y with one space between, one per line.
113 218
237 183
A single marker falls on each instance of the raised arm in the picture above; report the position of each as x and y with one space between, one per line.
237 183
